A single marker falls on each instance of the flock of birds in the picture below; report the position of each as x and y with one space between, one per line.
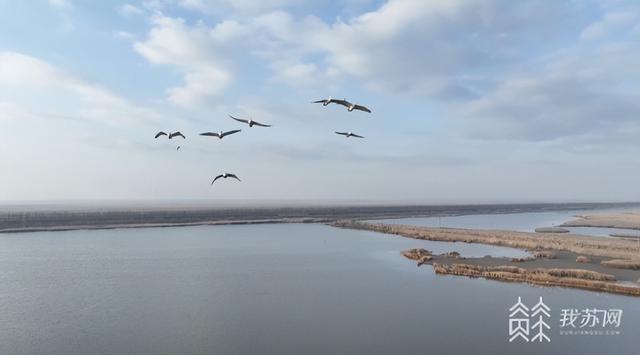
325 102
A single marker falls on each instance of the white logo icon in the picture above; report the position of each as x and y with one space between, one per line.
530 324
520 318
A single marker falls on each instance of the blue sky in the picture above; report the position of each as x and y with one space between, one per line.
473 101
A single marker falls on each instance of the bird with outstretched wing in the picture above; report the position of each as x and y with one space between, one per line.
224 176
349 134
177 134
360 107
220 134
251 123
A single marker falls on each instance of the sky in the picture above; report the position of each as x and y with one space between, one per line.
473 101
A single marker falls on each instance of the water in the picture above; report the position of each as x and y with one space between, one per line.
523 222
266 289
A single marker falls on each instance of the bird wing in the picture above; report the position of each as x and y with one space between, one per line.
361 108
319 101
177 134
234 176
342 133
160 134
261 124
230 132
216 178
344 103
356 135
239 119
210 134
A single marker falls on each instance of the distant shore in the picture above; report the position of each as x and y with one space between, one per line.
622 220
592 263
14 220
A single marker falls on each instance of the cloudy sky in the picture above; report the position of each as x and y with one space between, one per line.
473 101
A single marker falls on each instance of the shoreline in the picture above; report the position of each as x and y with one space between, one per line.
596 264
17 221
622 220
160 225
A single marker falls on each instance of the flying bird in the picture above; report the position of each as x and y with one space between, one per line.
349 134
220 134
224 176
170 135
251 123
350 107
324 102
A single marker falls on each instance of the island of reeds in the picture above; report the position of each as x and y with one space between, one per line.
590 263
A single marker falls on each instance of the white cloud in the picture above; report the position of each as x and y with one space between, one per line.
546 107
124 35
299 72
427 48
21 70
193 52
431 48
12 111
476 53
128 10
580 94
65 95
610 22
229 30
198 84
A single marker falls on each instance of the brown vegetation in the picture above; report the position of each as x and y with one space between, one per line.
624 254
582 259
606 247
622 264
626 220
577 278
544 254
452 254
425 259
416 253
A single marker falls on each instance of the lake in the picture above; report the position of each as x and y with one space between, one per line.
267 289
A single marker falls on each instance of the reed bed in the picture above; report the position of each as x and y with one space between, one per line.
577 278
622 264
536 242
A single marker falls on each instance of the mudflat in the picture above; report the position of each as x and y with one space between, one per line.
598 264
625 220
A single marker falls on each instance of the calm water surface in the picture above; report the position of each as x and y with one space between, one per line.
266 289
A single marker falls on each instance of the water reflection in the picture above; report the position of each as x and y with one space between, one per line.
268 289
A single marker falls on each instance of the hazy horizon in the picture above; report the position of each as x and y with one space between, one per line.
258 203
